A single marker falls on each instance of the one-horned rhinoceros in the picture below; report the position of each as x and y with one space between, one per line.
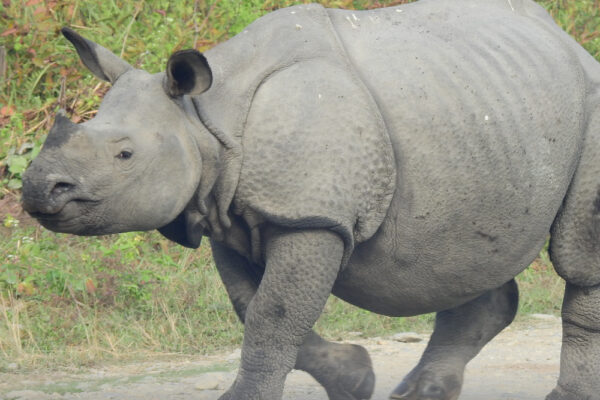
407 160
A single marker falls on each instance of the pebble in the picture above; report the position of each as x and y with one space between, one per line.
211 381
545 317
407 337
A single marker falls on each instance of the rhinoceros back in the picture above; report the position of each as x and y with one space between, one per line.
467 112
485 103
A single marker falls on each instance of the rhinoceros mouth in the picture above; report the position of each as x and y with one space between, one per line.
66 214
56 217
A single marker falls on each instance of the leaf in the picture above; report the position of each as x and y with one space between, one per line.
79 285
25 288
35 151
40 10
9 276
16 164
14 184
7 111
7 32
89 285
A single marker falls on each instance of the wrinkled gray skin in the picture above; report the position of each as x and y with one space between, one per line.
408 160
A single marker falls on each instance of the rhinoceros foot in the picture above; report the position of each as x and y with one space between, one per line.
426 385
352 377
560 393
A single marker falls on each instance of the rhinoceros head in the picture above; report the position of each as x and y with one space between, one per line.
136 164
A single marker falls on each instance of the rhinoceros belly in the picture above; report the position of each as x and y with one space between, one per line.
486 126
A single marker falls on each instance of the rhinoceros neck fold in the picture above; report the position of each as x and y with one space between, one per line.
210 153
241 65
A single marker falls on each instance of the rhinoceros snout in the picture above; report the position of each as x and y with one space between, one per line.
46 194
61 187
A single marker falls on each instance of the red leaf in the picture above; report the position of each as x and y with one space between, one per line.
7 111
89 285
25 288
40 10
7 32
70 11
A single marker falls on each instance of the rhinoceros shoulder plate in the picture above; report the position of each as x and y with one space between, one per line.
287 96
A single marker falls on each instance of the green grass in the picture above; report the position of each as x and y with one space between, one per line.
66 300
108 298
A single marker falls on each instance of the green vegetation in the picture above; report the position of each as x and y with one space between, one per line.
67 300
70 300
81 299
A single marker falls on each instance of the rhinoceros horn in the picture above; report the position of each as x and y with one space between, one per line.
61 130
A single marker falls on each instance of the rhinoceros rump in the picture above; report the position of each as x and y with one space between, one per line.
408 160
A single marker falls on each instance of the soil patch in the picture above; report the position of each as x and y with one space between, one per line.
521 363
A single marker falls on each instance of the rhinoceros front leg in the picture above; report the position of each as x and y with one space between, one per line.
459 334
344 370
300 270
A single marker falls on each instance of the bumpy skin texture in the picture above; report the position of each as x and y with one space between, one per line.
459 334
408 160
580 354
344 370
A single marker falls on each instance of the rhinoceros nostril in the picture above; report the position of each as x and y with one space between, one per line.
61 187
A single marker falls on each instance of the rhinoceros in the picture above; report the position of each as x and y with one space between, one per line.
408 160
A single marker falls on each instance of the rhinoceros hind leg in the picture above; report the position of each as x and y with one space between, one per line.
459 334
580 354
575 254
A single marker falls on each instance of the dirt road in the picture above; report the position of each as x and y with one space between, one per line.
520 364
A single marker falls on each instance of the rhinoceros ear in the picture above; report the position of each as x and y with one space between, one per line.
100 61
187 72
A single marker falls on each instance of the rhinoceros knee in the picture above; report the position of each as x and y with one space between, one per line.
575 236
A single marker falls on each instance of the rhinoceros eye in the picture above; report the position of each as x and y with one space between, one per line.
124 155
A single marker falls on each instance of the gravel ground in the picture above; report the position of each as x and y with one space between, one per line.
520 364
